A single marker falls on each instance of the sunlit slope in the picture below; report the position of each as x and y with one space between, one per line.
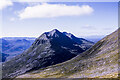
100 61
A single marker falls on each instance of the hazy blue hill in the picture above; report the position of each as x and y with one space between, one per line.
18 38
94 38
13 46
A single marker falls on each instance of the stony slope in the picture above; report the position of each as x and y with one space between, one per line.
50 48
100 61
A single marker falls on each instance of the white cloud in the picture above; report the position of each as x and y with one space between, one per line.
45 10
5 3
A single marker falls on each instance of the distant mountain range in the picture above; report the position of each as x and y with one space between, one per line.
100 61
94 38
13 46
48 49
19 38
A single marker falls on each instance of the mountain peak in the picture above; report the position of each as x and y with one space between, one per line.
53 33
54 30
49 34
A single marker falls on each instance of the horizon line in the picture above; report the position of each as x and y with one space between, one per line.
38 36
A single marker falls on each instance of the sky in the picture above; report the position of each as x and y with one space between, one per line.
31 19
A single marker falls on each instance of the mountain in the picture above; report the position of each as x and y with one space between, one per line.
100 61
85 44
12 46
5 45
49 49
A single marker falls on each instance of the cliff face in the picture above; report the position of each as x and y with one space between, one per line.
49 49
100 61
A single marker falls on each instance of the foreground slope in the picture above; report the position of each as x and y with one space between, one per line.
50 48
100 61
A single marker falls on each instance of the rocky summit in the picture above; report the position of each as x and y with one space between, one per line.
100 61
48 49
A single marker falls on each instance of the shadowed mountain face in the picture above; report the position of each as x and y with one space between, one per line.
50 48
85 44
4 56
100 61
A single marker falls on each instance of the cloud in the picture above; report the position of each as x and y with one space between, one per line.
5 3
45 10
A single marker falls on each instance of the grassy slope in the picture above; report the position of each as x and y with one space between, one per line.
101 61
